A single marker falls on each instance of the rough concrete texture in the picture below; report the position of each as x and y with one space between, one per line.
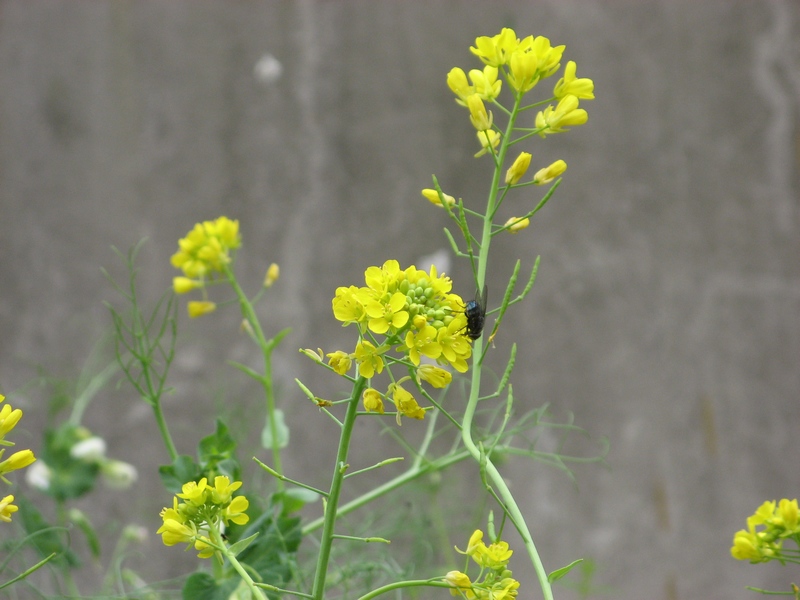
666 315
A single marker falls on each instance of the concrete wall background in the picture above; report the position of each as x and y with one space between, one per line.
666 313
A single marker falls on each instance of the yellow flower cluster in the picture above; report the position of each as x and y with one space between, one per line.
523 63
204 251
498 583
415 313
767 528
203 507
9 417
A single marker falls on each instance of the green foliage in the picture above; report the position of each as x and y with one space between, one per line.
70 477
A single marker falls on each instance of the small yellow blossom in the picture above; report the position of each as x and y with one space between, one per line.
406 404
18 460
203 545
478 116
461 582
517 170
488 139
347 306
457 82
569 84
433 197
195 492
235 510
184 285
174 532
550 172
340 361
368 358
273 272
383 315
515 224
198 308
485 82
372 401
534 60
423 342
456 348
565 114
496 51
7 509
786 516
223 489
9 417
438 378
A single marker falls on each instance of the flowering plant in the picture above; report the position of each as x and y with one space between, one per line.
414 342
768 529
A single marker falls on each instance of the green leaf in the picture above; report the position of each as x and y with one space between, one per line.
181 471
202 586
69 477
559 573
43 536
218 445
295 498
272 554
282 431
239 546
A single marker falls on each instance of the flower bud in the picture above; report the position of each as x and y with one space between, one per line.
199 308
549 173
515 224
273 273
519 168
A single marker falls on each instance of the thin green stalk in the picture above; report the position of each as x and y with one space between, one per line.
331 507
266 380
165 435
477 354
219 543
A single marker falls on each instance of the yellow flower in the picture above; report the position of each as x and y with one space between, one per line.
569 84
406 404
198 308
496 51
515 224
347 305
532 61
273 272
368 358
206 248
9 417
457 82
423 342
383 315
480 119
494 556
488 139
433 197
550 172
485 82
223 489
174 532
235 511
456 348
461 582
206 550
195 492
505 588
565 114
745 547
183 285
340 361
7 509
787 516
372 401
438 378
517 170
18 460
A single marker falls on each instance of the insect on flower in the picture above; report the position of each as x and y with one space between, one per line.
475 311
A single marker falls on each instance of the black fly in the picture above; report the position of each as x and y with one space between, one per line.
475 311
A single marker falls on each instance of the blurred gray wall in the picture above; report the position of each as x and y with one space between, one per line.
666 315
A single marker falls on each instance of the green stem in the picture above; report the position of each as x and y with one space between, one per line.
162 427
405 584
220 543
331 507
477 353
391 485
266 381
